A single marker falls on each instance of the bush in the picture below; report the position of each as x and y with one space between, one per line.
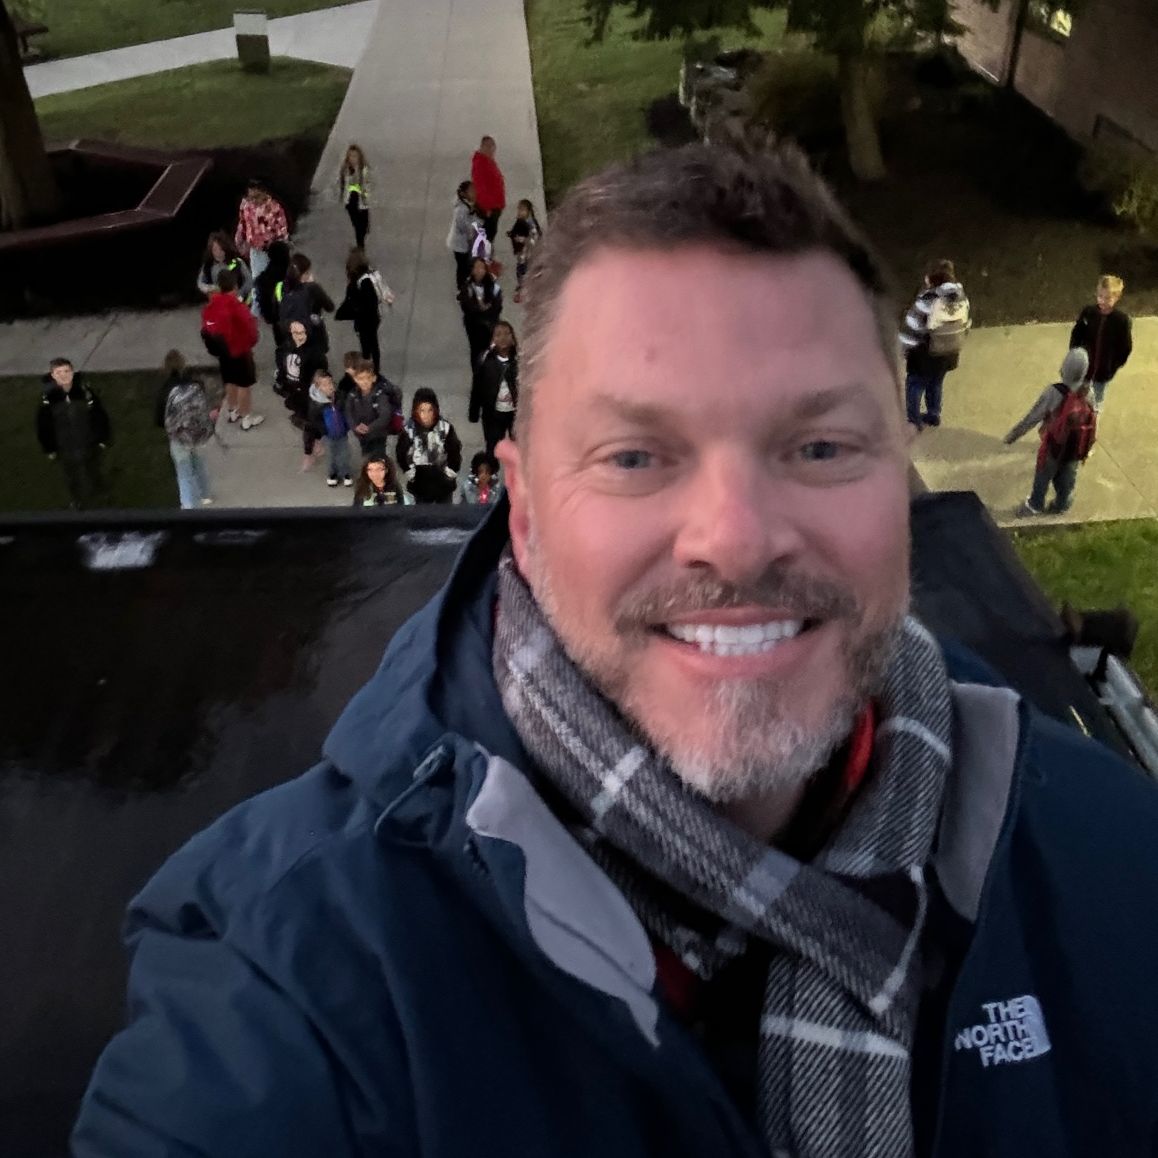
1127 179
797 94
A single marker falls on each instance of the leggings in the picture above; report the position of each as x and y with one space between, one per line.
360 220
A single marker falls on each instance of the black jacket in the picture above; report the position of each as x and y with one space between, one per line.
1107 338
360 305
429 452
488 379
376 410
296 366
489 309
72 423
307 303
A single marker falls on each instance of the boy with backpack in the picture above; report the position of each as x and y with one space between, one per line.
183 411
932 335
1068 427
327 418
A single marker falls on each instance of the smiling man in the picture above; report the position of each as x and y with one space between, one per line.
664 829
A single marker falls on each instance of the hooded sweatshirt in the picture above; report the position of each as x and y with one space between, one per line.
914 333
326 415
461 235
227 318
430 457
1074 368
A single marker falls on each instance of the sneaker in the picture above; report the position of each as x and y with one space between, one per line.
332 481
1027 508
232 415
252 420
347 481
207 501
931 419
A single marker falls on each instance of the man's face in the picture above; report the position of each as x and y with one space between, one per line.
364 381
62 376
1107 299
715 521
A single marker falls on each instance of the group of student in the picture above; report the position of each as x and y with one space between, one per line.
1065 413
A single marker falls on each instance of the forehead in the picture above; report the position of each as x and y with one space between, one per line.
704 326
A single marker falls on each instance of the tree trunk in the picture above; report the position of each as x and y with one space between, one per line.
860 122
28 189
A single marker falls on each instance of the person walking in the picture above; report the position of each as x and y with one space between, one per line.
73 428
366 293
494 392
524 235
481 299
354 190
429 451
1067 421
185 414
482 487
373 410
221 253
303 300
229 331
460 239
933 333
1105 333
269 289
378 485
327 417
261 220
490 190
298 360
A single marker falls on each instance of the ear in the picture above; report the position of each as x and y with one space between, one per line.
515 466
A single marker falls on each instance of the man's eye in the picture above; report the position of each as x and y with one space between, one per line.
632 459
821 450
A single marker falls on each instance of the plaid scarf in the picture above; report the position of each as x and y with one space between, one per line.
844 983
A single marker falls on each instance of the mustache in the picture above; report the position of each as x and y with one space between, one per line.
801 596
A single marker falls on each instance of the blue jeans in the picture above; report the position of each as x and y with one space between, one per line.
927 386
339 456
192 481
258 262
1063 475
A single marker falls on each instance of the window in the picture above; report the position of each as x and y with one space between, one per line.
1050 17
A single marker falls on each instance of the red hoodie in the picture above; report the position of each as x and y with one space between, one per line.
228 318
490 190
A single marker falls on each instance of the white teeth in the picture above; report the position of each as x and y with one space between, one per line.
726 640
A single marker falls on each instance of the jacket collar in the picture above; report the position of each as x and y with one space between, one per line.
434 679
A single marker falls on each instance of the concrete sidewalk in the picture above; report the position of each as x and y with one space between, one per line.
1003 369
328 36
434 77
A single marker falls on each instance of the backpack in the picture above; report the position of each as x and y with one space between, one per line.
187 419
948 324
380 287
215 343
1073 430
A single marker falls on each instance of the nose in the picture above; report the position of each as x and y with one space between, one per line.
738 520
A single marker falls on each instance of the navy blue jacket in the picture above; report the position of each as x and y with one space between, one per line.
403 952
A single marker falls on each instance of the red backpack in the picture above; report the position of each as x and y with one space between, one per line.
1073 430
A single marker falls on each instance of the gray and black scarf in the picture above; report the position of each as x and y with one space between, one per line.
844 983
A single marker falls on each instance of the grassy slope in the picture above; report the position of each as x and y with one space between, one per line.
591 99
214 105
76 27
1102 565
140 472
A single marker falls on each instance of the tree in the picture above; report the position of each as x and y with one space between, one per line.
839 27
28 188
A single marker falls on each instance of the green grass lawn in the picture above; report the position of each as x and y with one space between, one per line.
138 467
591 100
1102 565
203 106
76 27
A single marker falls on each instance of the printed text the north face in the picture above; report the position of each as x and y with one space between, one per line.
1011 1031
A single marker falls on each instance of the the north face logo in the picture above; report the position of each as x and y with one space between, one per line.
1013 1031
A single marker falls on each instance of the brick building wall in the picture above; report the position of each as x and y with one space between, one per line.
1107 68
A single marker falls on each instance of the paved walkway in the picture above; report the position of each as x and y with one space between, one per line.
433 79
328 36
1003 369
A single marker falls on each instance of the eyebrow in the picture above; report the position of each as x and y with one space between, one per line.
815 404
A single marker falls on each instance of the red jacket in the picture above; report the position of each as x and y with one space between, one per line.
490 190
227 317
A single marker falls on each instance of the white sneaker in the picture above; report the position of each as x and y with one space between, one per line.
232 415
207 501
252 420
332 481
347 481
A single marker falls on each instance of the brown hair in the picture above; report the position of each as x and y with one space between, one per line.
174 362
768 202
940 271
353 148
356 263
363 366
